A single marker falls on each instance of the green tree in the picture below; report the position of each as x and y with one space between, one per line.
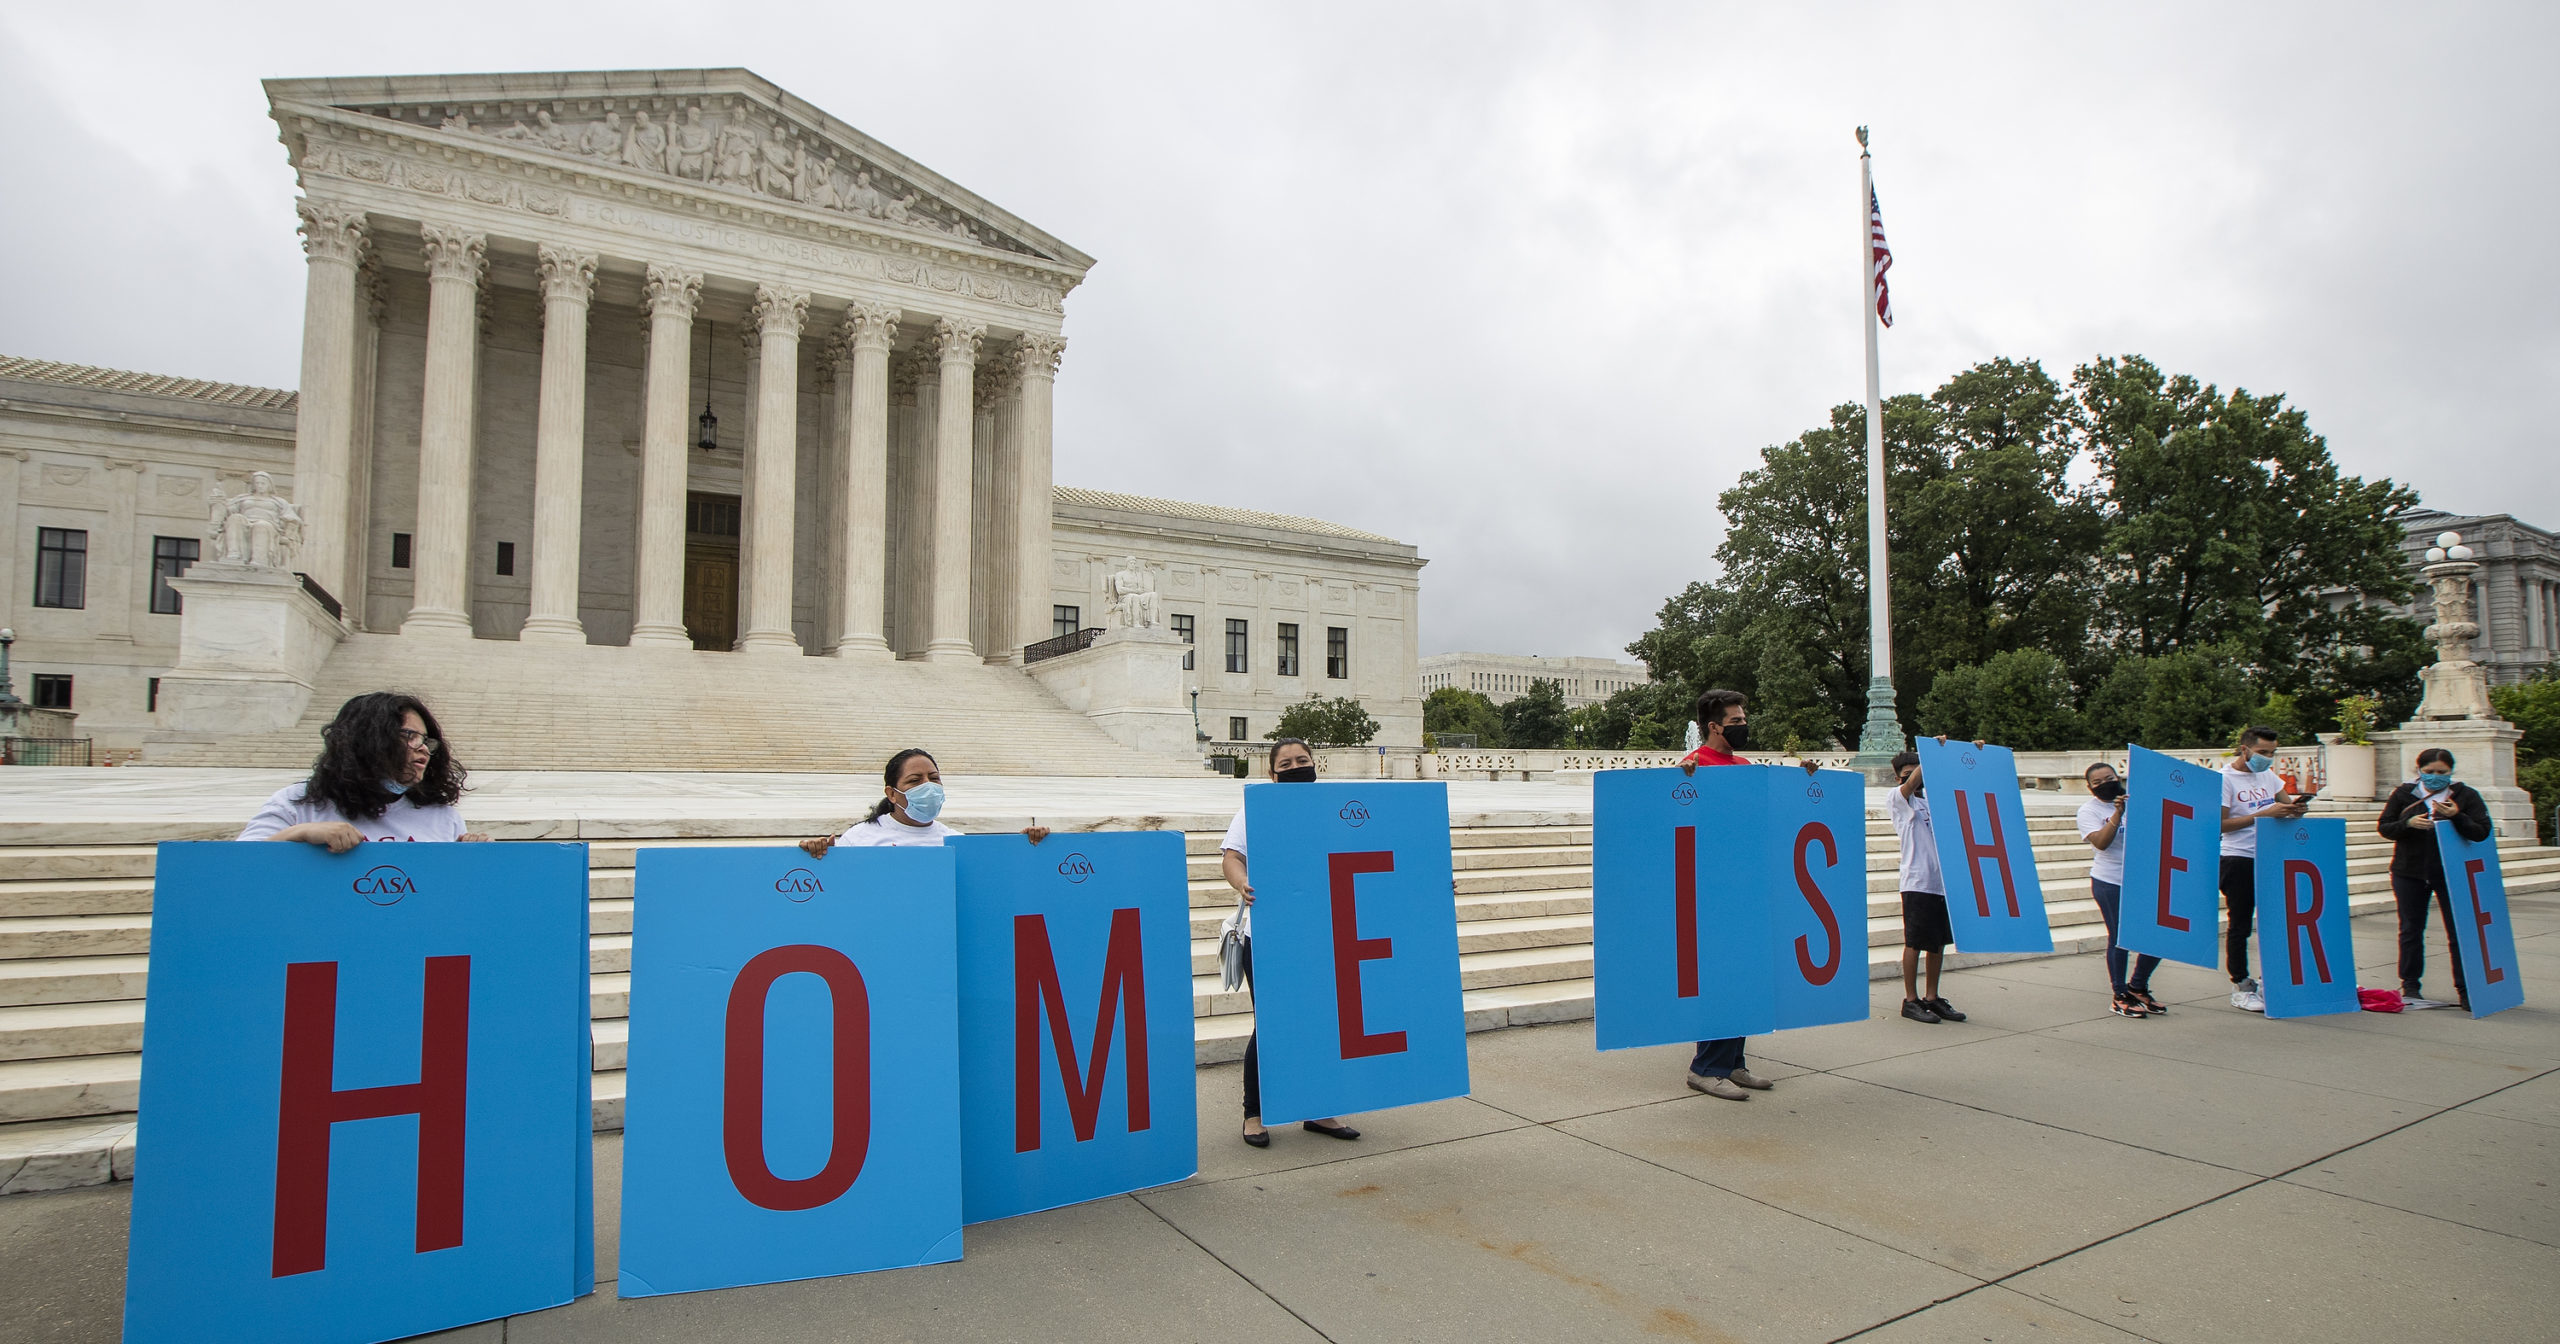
2021 699
2534 707
1453 710
2190 698
1537 718
1326 723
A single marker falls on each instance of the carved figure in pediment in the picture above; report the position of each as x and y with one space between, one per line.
646 146
900 211
260 529
543 132
690 141
456 122
603 139
734 163
817 184
862 198
781 174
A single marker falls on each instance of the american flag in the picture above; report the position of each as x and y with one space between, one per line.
1879 258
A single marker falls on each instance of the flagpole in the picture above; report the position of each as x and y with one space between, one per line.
1882 735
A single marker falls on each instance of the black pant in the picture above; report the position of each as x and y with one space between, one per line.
2240 895
2110 898
2412 893
1252 1055
1717 1059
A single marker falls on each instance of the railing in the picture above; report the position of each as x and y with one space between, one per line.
321 595
1063 644
46 751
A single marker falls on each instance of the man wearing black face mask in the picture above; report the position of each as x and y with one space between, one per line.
1717 1069
2102 826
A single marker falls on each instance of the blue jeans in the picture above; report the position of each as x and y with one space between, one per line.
1717 1059
2108 896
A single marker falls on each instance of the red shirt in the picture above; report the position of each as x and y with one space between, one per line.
1706 755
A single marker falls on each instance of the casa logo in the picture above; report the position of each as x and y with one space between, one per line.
799 884
1076 868
1354 814
2177 776
1967 759
1684 793
1813 791
384 884
2301 834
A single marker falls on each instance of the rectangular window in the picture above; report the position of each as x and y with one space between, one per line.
52 690
399 550
1188 630
170 557
1337 652
1236 649
1065 621
1288 650
710 515
506 557
151 697
1236 731
62 567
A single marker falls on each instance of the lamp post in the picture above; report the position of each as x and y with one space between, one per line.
1196 734
7 696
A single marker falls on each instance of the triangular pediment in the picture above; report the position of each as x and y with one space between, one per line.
725 131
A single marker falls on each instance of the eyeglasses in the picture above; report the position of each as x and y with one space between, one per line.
412 737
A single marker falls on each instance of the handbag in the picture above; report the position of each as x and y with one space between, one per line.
1231 941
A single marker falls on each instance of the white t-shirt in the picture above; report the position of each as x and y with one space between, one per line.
1235 841
403 820
2247 792
887 830
1919 837
2108 866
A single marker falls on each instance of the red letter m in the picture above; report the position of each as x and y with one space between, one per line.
308 1104
1124 1003
1995 851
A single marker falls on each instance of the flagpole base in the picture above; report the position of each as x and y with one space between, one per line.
1882 737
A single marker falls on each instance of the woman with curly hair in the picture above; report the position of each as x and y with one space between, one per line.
384 773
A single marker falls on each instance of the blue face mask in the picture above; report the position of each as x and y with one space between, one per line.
394 787
2261 764
2434 781
924 802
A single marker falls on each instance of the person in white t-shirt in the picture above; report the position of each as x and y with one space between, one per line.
2102 826
2250 789
1292 762
1926 930
385 772
909 812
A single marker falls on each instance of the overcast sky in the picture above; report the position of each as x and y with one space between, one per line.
1523 285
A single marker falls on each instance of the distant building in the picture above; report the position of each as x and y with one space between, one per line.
1500 677
2516 592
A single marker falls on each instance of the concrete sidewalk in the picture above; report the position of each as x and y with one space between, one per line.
2044 1171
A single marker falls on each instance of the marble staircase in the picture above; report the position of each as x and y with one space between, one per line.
75 933
511 706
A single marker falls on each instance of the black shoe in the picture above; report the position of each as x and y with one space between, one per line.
1918 1011
1261 1140
1329 1131
1945 1010
2126 1005
2409 990
2149 1004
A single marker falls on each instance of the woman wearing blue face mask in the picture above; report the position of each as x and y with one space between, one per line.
909 811
2410 819
385 773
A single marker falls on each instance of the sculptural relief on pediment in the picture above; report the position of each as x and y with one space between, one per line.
725 143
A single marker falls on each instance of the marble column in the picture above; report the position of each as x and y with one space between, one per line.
371 305
1035 367
657 603
773 460
114 594
333 245
560 446
955 344
915 383
13 463
863 383
442 560
750 368
991 604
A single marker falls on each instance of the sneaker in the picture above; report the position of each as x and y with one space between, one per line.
1717 1087
2149 1004
1746 1078
2248 999
2125 1005
1918 1011
1946 1011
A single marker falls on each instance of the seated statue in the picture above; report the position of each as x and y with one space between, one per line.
260 529
1133 596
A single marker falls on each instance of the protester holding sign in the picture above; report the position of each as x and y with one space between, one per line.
909 812
2410 818
1292 762
1724 729
2250 790
1925 930
2102 826
385 773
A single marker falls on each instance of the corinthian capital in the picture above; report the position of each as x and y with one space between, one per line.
1036 356
871 326
567 273
957 341
454 254
331 230
672 291
779 312
995 383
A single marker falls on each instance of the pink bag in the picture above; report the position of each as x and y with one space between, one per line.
2379 1000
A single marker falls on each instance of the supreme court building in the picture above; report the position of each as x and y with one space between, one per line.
652 359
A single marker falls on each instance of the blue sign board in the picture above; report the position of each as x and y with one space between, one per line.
792 1103
1994 900
2307 956
2172 906
2487 941
1355 948
1681 949
1820 916
363 1090
1075 1019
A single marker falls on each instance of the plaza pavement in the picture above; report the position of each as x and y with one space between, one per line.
2043 1172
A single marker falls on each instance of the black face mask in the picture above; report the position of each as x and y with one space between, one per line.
1737 736
1297 774
2107 792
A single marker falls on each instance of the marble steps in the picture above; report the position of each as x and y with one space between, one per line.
76 863
75 896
